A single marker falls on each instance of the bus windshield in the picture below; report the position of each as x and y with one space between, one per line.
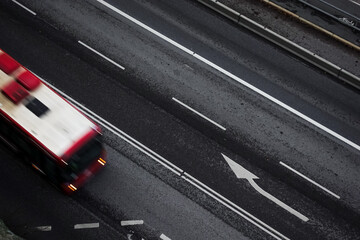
85 156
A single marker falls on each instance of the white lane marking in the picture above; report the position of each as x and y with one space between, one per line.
163 237
146 27
102 55
313 182
277 201
44 228
355 2
241 172
201 115
131 222
233 207
86 225
237 79
27 9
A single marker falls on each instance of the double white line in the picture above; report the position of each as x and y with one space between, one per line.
176 170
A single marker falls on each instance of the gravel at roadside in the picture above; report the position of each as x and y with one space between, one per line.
6 234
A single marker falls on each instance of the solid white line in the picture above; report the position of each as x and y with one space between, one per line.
313 182
102 55
146 27
233 207
237 79
27 9
355 2
277 201
201 115
44 228
131 222
163 237
86 225
169 165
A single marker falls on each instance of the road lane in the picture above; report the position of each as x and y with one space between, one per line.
156 140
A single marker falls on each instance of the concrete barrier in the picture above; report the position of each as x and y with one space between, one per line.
284 43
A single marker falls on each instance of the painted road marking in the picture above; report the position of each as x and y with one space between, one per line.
237 79
44 228
163 237
131 222
102 55
86 225
176 170
313 182
27 9
242 173
233 207
201 115
355 2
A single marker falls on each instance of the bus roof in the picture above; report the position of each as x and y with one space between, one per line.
40 112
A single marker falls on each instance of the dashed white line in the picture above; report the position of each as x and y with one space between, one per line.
102 55
27 9
237 79
313 182
44 228
131 222
176 170
163 237
355 2
86 225
198 113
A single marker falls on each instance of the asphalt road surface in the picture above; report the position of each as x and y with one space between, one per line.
226 122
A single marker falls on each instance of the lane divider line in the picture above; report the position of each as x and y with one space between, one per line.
101 55
86 225
199 114
44 228
308 179
163 237
26 8
131 222
355 2
173 168
237 79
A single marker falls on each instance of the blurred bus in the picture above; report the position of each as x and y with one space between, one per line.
50 133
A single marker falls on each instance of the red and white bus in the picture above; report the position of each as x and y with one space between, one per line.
56 138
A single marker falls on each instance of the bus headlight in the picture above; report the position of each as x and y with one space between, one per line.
101 161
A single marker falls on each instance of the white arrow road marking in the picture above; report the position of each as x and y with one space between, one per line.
241 172
132 222
173 168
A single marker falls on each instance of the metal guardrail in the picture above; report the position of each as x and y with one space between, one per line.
343 16
284 43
